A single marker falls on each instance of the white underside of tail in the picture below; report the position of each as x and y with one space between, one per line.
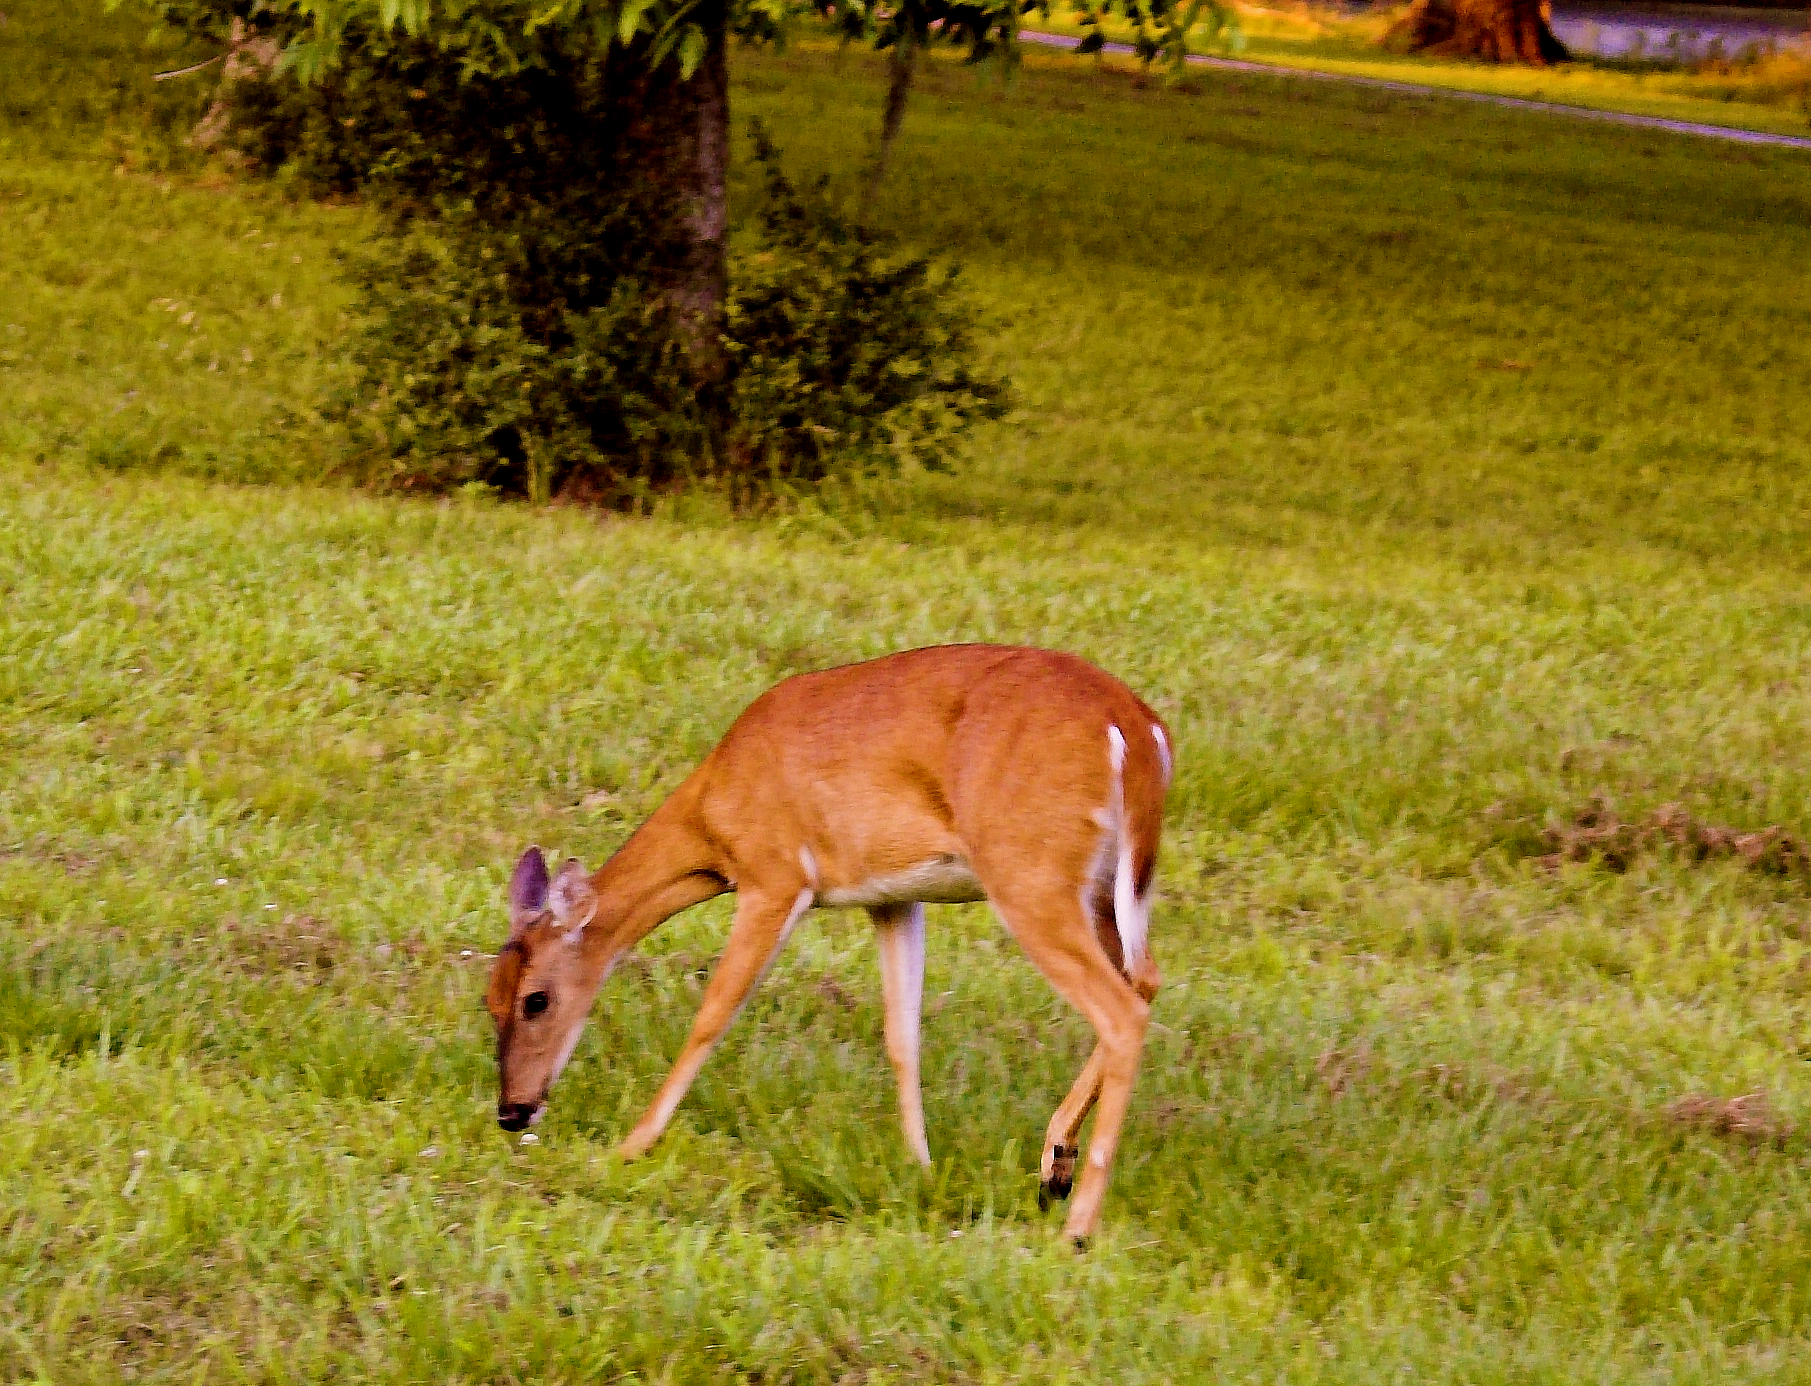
1131 915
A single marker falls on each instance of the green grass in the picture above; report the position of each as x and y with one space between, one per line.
269 751
150 314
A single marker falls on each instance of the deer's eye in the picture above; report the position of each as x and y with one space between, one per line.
534 1003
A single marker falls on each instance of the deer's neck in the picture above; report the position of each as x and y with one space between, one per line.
664 867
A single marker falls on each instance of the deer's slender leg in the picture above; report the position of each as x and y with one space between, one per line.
1062 1137
1058 937
761 925
900 929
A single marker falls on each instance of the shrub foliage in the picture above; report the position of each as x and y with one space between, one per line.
533 359
843 347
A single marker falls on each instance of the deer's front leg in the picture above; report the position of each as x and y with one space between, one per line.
900 929
760 928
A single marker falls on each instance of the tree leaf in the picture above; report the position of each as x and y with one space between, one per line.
629 17
691 50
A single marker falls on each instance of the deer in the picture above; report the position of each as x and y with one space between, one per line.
1026 778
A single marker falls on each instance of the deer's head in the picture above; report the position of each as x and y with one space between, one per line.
542 984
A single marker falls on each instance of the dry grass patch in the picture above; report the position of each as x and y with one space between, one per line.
1750 1117
1596 833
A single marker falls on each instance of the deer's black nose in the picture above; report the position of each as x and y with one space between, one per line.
515 1116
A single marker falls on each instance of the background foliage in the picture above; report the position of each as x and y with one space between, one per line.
846 355
503 37
513 331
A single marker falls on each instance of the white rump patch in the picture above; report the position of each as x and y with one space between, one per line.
1163 750
1131 916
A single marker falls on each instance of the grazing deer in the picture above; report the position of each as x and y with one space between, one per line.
1022 777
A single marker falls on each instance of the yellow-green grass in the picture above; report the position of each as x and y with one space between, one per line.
1767 93
1428 472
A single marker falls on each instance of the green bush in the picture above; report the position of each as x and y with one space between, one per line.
476 363
845 348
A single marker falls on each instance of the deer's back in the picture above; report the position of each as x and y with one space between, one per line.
879 768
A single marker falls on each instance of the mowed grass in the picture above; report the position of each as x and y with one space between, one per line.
1430 469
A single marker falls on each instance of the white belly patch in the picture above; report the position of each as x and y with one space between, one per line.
946 879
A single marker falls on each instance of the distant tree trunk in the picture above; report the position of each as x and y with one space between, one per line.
702 296
1503 31
679 133
251 56
900 61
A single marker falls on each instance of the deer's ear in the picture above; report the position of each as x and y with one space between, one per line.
527 890
571 899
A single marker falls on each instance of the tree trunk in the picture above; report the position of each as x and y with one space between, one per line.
679 137
900 61
703 294
1502 31
250 57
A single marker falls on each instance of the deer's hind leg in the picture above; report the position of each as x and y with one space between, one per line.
1062 1138
1053 926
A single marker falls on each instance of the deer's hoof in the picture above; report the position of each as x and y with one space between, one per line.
1056 1185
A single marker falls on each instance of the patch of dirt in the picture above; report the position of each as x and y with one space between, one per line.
299 944
1213 1047
836 993
1456 1082
799 658
1340 1069
1595 833
692 968
1178 1111
74 863
1750 1117
1220 139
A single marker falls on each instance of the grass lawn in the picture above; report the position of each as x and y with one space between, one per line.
1430 468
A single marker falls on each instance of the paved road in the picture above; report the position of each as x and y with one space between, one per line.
1676 32
1677 127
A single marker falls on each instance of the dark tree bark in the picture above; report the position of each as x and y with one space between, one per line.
701 297
901 58
1503 31
679 133
250 57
